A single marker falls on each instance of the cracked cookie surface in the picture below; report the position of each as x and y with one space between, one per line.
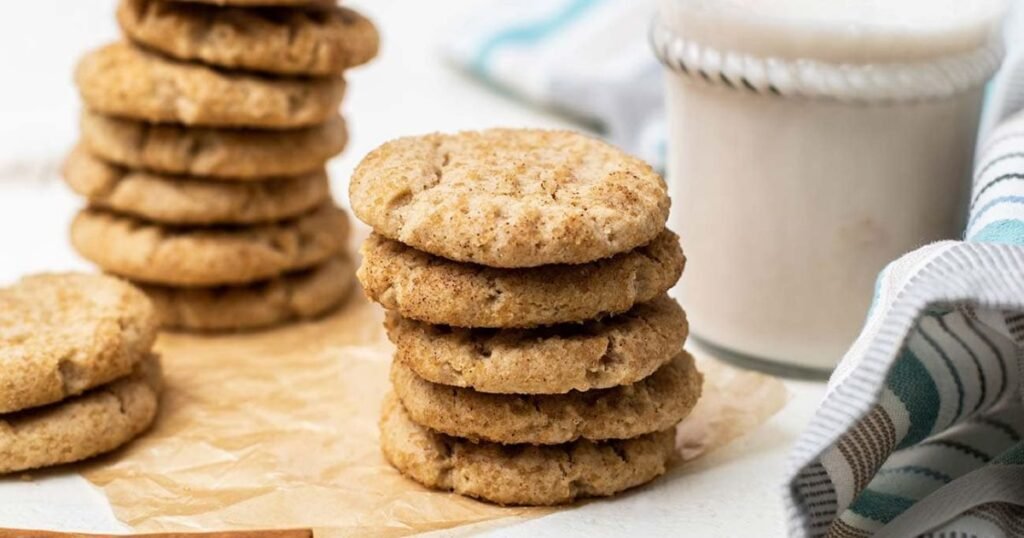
231 154
123 80
63 334
83 426
510 197
429 288
655 403
521 474
597 354
294 296
312 42
187 256
188 199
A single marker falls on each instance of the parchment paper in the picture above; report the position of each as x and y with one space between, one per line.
279 430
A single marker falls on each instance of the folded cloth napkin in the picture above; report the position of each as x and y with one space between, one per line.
589 59
920 433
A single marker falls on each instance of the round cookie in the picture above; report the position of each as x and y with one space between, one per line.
207 256
521 474
510 197
428 288
62 334
554 360
123 80
655 403
303 295
236 154
84 426
189 200
311 42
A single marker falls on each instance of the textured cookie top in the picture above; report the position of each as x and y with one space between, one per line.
314 42
123 80
436 290
83 426
510 198
207 256
655 403
597 354
62 334
190 200
301 295
235 154
521 474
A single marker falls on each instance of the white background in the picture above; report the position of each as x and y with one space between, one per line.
408 90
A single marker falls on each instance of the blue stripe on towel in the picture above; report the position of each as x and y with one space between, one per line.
1009 231
529 32
1001 200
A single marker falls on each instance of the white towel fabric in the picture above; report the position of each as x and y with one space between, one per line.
921 431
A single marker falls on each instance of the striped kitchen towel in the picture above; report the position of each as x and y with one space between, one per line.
921 432
589 59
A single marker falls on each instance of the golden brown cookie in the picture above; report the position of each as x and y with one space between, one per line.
510 197
521 474
312 42
293 3
207 256
62 334
553 360
242 154
121 79
428 288
190 200
655 403
295 296
83 426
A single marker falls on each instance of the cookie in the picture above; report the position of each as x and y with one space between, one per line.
521 474
207 256
594 355
62 334
84 426
293 3
428 288
302 295
510 197
123 80
235 154
190 200
655 403
312 42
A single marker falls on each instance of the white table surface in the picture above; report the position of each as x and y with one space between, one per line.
408 90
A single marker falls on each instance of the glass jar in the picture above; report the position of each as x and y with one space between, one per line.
810 144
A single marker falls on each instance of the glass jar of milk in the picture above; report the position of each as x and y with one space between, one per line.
811 142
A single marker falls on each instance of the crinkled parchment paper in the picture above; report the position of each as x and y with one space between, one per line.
279 430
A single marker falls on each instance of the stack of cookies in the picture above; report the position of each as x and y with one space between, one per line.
204 138
538 357
77 374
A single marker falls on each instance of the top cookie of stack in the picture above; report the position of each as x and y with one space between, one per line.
525 274
204 140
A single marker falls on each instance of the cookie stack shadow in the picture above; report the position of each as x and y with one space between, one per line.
204 138
76 365
525 273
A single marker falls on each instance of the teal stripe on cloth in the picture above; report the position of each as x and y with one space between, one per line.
953 372
1013 456
529 33
918 469
1010 232
910 382
878 506
975 215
